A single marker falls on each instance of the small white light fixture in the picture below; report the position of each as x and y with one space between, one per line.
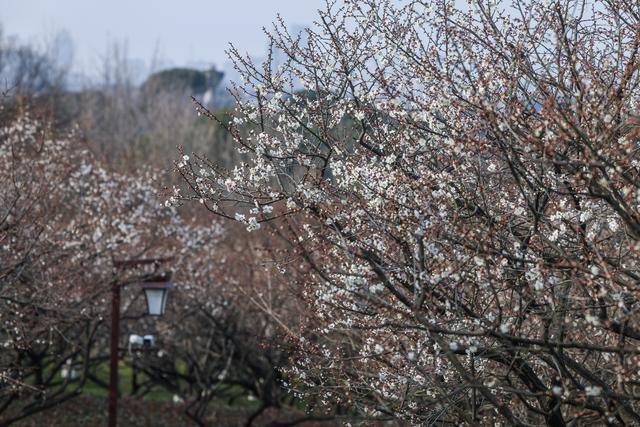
156 294
135 339
148 341
69 371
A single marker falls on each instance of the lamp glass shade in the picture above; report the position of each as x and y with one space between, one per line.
156 300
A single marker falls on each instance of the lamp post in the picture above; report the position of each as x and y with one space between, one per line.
156 287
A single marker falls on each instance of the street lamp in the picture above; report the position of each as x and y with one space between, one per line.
156 293
156 287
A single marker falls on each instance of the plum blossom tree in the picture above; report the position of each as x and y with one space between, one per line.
46 320
64 219
218 340
460 190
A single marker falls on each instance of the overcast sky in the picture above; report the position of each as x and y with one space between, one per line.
182 31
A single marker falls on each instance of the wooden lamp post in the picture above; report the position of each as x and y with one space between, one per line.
156 288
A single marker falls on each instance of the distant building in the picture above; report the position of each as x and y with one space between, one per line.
200 84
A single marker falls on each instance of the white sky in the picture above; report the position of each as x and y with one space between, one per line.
182 31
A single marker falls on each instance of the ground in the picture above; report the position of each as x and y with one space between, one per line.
90 411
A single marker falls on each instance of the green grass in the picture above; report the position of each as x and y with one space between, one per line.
155 407
125 374
157 393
